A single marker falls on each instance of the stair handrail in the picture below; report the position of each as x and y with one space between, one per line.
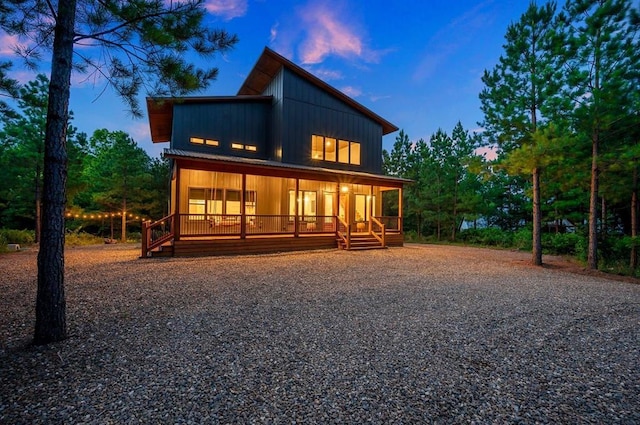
147 243
382 236
346 239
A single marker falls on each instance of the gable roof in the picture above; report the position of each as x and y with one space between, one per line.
270 63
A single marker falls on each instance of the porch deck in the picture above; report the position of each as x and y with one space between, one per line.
230 235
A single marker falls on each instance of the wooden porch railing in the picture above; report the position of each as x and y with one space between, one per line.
393 224
377 224
344 232
156 233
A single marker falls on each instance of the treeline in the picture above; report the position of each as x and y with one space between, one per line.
107 172
562 112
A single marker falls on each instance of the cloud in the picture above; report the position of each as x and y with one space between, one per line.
6 44
227 9
452 38
375 98
321 29
326 74
351 91
273 33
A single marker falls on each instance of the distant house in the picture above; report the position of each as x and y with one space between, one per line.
289 163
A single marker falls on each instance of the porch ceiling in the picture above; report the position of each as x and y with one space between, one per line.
231 164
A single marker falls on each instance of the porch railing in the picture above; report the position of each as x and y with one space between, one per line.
378 230
156 233
255 224
344 232
392 224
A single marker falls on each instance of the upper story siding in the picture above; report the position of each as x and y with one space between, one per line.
237 121
307 110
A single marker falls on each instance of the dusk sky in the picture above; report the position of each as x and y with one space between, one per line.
416 63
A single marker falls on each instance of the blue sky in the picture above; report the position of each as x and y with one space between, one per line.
416 63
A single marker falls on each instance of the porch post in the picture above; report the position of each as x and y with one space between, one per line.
400 209
336 208
243 221
296 219
370 208
176 207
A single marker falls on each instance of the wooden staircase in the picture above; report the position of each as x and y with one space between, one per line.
361 242
164 250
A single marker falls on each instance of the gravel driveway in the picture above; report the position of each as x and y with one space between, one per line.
420 334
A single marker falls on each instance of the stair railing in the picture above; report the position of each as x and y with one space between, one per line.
381 238
346 238
156 233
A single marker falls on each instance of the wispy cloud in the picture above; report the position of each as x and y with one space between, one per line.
452 38
321 29
375 98
6 44
273 33
351 91
326 74
227 9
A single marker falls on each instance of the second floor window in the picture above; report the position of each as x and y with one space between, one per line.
330 149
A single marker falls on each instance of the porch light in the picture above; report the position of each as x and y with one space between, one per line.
344 189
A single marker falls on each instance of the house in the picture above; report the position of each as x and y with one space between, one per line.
289 163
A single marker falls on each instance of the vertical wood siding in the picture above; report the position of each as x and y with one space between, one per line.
232 122
308 110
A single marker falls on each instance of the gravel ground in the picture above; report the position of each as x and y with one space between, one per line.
420 334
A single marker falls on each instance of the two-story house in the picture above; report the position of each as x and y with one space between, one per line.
289 163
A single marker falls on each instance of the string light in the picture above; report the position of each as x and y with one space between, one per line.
101 216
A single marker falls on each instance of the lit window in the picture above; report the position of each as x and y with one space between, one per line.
316 147
355 153
343 151
251 148
211 142
237 146
330 149
197 140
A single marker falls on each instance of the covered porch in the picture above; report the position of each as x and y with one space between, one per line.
227 205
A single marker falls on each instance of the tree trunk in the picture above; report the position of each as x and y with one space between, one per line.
38 200
455 211
633 263
592 257
51 322
537 219
123 232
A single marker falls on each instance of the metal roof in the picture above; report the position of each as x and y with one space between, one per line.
263 163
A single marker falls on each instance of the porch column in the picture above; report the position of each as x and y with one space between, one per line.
176 214
336 208
243 221
296 219
400 210
370 208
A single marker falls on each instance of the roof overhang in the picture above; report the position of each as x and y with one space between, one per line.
270 63
211 162
160 110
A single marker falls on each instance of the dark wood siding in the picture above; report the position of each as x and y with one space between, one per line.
275 89
227 122
308 110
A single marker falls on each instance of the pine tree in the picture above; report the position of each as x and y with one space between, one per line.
132 44
601 63
516 91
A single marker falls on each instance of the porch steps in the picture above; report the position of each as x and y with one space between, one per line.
361 242
164 250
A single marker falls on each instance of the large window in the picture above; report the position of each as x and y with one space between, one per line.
330 149
307 201
204 202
